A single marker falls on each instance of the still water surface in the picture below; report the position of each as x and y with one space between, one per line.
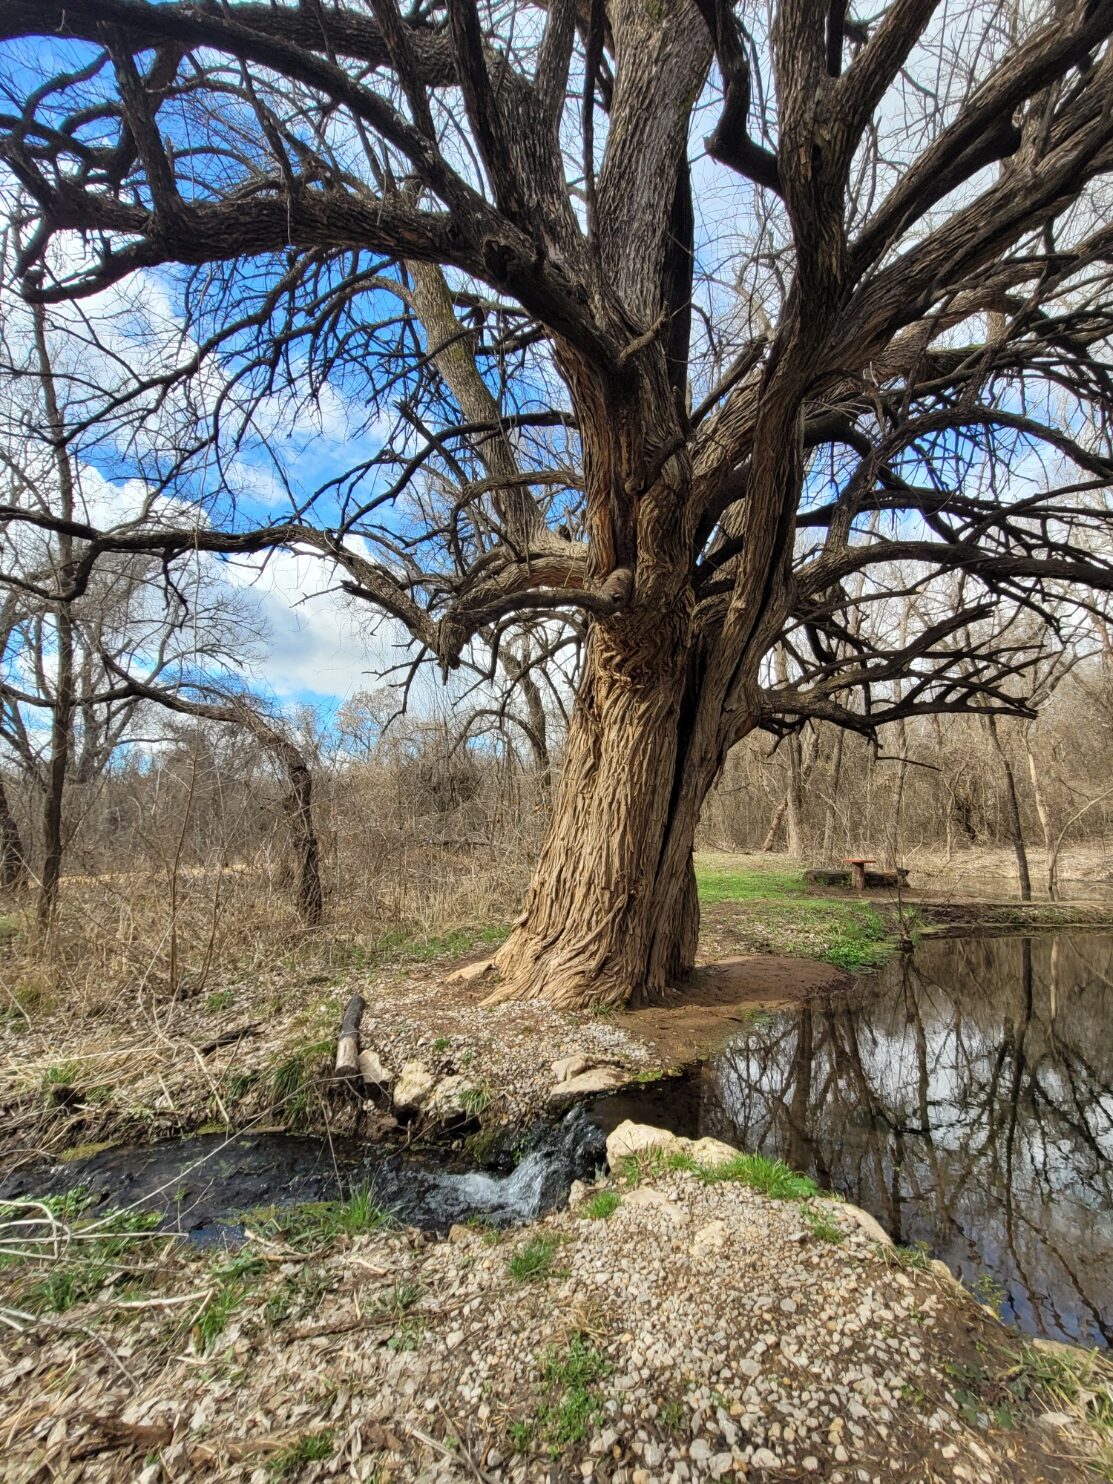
964 1096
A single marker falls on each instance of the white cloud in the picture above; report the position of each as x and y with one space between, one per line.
319 639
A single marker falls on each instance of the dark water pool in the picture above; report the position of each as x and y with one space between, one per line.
964 1096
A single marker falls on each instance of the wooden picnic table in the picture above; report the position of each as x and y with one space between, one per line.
858 864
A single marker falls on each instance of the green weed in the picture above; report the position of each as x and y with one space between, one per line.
601 1205
535 1260
672 1414
236 1278
94 1256
293 1078
62 1074
311 1447
820 1225
917 1258
220 999
475 1100
317 1223
572 1377
520 1435
772 1177
988 1291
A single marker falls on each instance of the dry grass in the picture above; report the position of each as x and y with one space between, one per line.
103 1028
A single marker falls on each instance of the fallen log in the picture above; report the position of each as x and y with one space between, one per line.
347 1047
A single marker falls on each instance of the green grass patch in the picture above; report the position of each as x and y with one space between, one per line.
475 1100
820 1225
601 1205
717 882
94 1251
311 1447
535 1260
220 999
315 1224
916 1258
778 914
62 1074
293 1079
575 1406
772 1177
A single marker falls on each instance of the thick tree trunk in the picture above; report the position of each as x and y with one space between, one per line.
770 841
298 805
612 913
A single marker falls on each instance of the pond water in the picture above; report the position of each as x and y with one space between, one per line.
964 1096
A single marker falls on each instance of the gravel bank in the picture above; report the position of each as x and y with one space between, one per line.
699 1332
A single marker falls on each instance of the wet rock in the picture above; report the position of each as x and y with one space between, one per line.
598 1079
414 1086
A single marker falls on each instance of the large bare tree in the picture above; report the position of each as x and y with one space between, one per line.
663 399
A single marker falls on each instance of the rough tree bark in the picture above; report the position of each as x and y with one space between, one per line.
13 857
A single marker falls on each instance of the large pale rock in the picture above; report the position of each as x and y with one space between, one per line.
646 1197
598 1079
868 1224
630 1139
373 1070
707 1151
414 1086
448 1099
572 1066
709 1238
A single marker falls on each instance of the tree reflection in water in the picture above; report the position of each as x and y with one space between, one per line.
966 1099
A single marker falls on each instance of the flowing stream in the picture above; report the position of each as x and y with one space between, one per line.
964 1096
